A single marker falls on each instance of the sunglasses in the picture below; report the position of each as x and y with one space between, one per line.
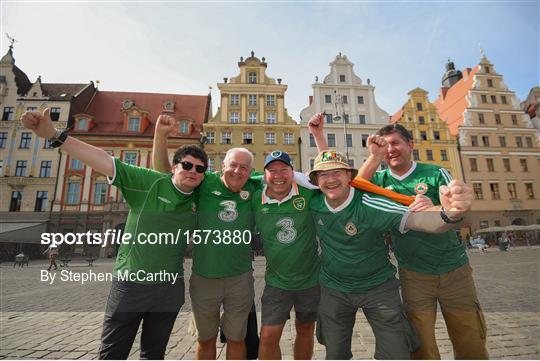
188 165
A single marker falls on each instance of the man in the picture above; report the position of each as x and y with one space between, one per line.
52 250
292 264
432 268
356 271
158 203
222 273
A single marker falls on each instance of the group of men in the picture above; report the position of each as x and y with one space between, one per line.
323 241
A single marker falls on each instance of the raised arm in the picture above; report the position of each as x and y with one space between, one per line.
315 125
160 157
378 147
98 159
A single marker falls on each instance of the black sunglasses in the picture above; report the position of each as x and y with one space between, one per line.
188 165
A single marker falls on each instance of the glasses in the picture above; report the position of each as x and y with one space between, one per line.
188 165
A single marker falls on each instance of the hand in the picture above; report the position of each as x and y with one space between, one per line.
39 123
377 145
456 198
166 125
315 124
420 203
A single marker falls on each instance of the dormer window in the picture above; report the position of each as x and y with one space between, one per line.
184 127
134 124
342 78
252 78
82 124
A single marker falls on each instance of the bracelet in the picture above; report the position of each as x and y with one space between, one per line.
58 138
447 219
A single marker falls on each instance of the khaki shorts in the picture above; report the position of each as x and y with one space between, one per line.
278 303
208 294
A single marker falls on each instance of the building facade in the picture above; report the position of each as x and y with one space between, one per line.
433 142
351 115
499 147
252 115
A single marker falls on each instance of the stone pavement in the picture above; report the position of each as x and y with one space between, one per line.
63 320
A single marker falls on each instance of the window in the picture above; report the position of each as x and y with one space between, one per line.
1 168
419 106
364 140
328 99
311 163
3 139
360 99
20 168
436 135
361 119
312 141
26 139
270 138
8 113
514 119
47 144
288 138
490 166
100 192
421 120
473 164
82 124
506 165
477 188
252 78
474 141
77 164
133 124
342 78
16 200
45 169
529 190
73 192
423 135
247 138
234 118
41 201
512 190
252 100
494 99
211 165
55 114
444 156
252 117
484 224
344 99
494 187
490 83
486 69
184 127
529 142
129 158
346 118
329 119
226 138
429 154
519 142
503 99
485 140
331 140
483 98
502 140
416 155
350 162
270 100
271 118
234 99
31 109
481 119
349 140
497 119
210 137
524 166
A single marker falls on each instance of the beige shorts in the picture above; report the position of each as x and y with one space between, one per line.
235 293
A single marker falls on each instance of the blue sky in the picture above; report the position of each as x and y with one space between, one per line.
184 47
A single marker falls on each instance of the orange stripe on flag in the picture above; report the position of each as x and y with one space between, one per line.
362 184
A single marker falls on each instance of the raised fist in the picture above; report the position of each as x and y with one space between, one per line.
377 145
39 122
456 198
315 124
166 125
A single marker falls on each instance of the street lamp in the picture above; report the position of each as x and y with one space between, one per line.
338 104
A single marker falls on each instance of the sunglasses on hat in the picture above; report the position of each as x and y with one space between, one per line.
188 165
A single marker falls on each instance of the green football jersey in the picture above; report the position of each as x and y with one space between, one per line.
226 223
157 208
417 251
354 255
289 239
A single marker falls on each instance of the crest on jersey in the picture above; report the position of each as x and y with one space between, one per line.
244 195
420 188
351 229
299 203
390 187
217 193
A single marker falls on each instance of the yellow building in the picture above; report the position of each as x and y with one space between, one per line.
433 142
251 114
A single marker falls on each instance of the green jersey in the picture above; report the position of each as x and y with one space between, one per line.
354 255
226 224
417 251
157 208
289 239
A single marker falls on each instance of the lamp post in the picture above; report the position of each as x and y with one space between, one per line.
338 103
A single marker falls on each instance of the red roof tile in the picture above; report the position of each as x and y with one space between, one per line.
396 117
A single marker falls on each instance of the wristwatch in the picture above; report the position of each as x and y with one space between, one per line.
447 219
58 138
